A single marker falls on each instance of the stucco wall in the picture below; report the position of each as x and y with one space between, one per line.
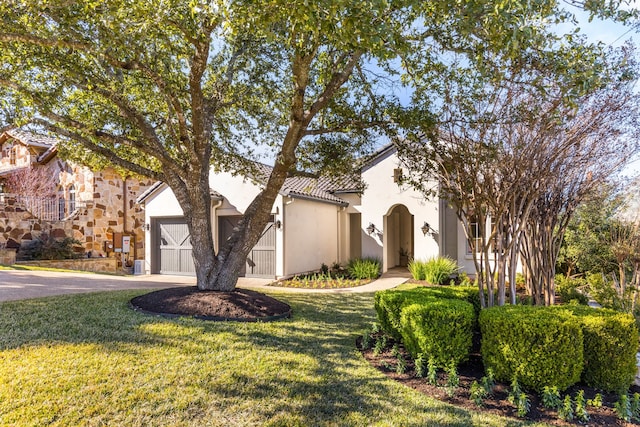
381 195
310 235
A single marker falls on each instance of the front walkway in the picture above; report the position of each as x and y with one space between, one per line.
20 284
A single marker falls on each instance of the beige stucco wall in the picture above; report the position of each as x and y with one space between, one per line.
310 235
381 195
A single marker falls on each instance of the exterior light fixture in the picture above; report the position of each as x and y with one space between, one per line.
371 228
427 229
147 227
278 224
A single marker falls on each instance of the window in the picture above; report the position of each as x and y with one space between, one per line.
72 199
476 237
12 156
61 203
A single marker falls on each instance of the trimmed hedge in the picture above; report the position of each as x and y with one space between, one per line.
441 329
610 347
537 346
389 304
436 321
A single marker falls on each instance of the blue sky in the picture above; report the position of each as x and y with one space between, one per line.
615 35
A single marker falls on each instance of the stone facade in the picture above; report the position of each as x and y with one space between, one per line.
104 205
90 206
96 265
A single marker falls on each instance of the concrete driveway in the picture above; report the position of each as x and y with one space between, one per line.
19 284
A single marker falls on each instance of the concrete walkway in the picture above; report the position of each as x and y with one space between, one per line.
20 284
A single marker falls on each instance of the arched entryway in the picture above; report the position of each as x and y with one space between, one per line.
398 237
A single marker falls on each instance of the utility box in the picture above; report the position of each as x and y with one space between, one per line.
138 267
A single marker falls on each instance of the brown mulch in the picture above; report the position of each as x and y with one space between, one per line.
238 305
497 403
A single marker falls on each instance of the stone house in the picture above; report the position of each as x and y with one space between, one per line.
95 207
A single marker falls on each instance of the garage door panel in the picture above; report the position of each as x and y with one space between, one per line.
174 247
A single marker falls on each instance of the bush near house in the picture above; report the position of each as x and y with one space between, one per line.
436 270
437 322
364 268
538 346
47 247
610 347
441 329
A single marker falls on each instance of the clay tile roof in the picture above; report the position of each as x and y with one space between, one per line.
149 191
32 139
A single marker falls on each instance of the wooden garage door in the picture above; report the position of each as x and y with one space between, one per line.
174 247
261 261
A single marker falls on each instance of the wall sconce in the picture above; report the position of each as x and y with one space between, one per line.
427 229
371 228
147 227
278 224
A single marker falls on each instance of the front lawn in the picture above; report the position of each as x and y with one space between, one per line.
90 360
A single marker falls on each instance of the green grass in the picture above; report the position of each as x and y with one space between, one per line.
89 360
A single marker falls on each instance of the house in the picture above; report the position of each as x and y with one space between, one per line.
314 221
95 207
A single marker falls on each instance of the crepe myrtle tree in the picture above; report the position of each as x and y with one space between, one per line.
514 154
168 89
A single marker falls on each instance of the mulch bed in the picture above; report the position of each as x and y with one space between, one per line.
239 305
497 403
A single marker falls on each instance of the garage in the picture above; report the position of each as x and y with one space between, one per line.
173 248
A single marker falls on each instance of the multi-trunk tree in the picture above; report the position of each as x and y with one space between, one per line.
515 154
168 89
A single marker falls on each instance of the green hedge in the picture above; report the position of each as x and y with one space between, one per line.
610 347
538 346
436 321
389 304
441 329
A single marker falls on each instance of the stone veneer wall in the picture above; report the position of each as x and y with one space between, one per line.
97 265
104 206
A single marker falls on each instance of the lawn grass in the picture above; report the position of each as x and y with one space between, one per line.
89 360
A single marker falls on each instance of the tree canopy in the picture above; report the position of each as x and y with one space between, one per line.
168 89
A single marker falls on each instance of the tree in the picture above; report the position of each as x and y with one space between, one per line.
516 153
166 88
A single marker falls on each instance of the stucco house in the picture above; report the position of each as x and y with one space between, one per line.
95 207
314 221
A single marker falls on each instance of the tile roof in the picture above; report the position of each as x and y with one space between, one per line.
32 139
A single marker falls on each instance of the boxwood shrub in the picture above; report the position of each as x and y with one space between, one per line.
422 317
610 347
441 329
538 346
389 303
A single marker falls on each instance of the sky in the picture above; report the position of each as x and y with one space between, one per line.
615 35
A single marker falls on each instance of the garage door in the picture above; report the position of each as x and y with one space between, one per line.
174 247
261 261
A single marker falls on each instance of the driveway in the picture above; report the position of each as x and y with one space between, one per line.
19 284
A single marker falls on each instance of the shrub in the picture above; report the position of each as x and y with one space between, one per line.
568 288
610 347
48 247
437 270
416 268
389 304
364 268
439 328
539 346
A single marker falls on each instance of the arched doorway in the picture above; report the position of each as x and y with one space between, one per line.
398 237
